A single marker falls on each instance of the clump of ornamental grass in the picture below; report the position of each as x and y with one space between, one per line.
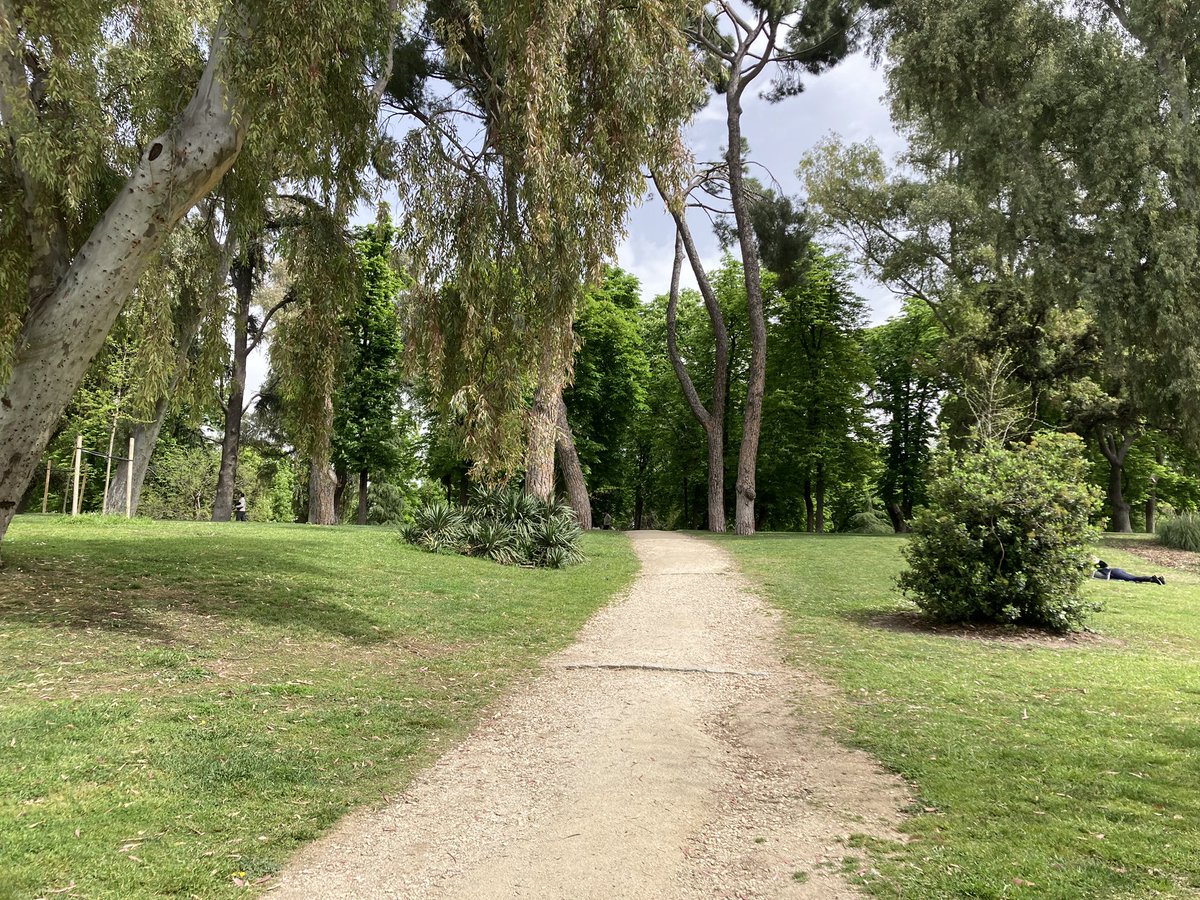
1181 532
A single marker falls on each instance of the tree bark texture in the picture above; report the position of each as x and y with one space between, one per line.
819 519
242 275
568 460
363 484
543 426
756 378
539 453
1115 448
322 480
69 319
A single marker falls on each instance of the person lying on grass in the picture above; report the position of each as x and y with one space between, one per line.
1110 573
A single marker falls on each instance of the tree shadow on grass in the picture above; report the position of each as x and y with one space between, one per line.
134 586
912 621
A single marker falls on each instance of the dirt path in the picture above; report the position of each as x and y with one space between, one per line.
660 756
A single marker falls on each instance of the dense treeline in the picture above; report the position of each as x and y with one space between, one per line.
1041 224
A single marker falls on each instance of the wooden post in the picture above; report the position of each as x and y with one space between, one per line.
129 483
75 482
46 491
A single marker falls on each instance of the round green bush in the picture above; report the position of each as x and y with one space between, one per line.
1005 536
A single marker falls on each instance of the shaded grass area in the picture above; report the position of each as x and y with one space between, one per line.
1050 769
183 704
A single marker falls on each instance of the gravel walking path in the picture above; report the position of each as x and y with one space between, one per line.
666 754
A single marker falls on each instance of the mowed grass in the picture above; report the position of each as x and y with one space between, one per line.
1054 769
183 705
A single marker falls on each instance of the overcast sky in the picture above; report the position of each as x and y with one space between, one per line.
847 100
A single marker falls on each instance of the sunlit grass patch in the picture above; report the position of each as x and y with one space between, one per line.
1058 769
183 704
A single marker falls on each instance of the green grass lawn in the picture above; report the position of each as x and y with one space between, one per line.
183 704
1054 770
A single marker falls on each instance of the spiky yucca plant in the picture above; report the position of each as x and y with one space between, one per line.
504 525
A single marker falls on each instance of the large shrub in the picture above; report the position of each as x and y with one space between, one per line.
1005 536
1181 532
504 525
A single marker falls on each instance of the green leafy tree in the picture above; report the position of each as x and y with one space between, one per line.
608 394
905 394
368 416
815 402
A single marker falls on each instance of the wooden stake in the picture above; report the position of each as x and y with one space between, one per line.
108 466
129 483
75 488
46 492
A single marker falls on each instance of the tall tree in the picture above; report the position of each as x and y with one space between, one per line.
816 389
516 189
608 392
906 389
739 44
367 410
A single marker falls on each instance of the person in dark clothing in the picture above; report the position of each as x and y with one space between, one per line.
239 508
1111 573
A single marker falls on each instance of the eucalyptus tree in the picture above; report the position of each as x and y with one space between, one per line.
102 158
738 44
536 120
179 313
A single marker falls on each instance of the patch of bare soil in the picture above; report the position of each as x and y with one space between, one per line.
913 622
1154 552
669 753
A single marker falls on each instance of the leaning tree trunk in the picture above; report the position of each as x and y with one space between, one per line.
243 283
756 378
145 436
568 459
70 316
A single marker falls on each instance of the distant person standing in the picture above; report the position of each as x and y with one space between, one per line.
239 508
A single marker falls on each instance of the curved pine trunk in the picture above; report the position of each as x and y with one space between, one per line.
756 379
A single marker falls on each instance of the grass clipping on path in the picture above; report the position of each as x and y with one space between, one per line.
182 705
1054 768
